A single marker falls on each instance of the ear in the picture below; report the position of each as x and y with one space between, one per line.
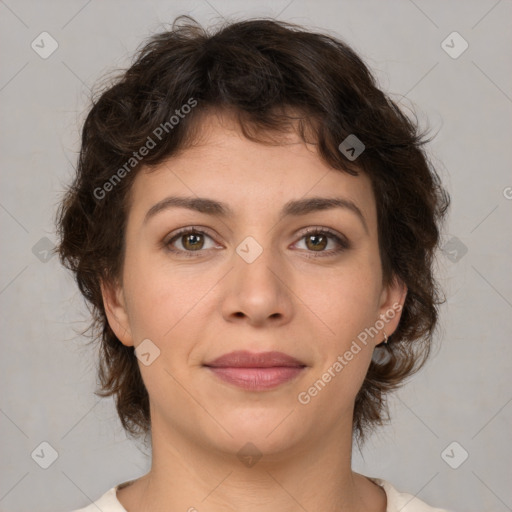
115 309
391 306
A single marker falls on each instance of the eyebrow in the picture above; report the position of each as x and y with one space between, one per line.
219 209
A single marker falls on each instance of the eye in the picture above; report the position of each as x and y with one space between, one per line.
317 239
190 239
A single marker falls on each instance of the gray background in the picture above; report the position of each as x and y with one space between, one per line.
47 371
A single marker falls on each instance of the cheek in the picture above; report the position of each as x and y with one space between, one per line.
161 300
351 303
345 353
154 309
151 298
349 309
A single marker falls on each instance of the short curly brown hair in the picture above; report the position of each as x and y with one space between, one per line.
261 70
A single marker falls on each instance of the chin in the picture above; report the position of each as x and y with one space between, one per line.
269 430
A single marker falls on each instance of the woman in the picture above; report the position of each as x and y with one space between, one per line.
253 223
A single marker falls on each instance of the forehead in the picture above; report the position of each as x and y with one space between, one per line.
252 177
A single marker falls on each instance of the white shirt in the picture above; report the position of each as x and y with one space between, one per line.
397 501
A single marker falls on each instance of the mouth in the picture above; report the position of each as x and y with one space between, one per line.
256 371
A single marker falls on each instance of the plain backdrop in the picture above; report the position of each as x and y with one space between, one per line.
449 440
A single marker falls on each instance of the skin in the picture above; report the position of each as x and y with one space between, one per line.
197 308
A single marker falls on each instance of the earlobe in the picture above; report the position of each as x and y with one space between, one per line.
115 309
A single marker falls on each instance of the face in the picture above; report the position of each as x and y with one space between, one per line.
272 273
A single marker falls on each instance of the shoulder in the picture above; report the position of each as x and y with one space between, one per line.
402 501
106 503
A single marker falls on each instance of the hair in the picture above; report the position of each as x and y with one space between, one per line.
273 77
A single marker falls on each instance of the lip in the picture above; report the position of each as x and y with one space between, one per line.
256 371
246 359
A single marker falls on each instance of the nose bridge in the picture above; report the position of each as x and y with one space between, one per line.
257 261
258 237
257 287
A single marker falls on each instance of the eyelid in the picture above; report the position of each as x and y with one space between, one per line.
323 229
339 238
186 230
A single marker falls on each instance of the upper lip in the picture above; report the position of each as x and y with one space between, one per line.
245 359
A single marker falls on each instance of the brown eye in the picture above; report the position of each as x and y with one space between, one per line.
192 241
316 242
189 241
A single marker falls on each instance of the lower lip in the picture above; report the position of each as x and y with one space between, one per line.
257 379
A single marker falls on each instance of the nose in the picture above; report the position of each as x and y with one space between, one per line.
258 291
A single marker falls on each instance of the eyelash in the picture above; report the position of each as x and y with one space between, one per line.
343 244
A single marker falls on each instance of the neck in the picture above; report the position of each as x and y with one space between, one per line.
188 476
